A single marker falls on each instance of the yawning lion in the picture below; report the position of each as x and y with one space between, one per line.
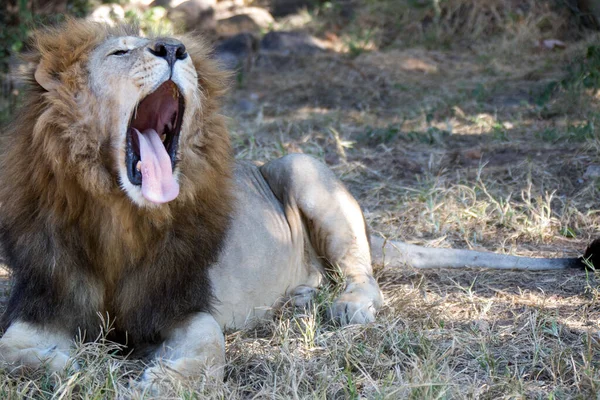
120 197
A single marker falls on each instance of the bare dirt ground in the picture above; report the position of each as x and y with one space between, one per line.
448 148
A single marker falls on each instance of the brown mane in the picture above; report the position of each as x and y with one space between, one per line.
76 243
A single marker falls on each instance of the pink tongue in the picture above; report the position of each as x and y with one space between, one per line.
158 183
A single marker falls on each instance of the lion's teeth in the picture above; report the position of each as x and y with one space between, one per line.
138 166
163 137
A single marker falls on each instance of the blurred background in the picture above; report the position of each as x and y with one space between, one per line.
243 29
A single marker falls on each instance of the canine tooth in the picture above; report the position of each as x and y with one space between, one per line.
163 137
138 166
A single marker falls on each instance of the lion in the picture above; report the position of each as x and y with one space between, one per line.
121 198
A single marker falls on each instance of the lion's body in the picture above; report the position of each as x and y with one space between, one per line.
250 278
85 238
292 220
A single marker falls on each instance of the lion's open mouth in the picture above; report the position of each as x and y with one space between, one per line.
152 141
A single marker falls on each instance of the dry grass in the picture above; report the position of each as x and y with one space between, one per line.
378 24
446 147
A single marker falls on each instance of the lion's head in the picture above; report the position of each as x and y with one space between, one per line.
124 115
115 179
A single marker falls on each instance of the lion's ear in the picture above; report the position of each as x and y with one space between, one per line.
44 77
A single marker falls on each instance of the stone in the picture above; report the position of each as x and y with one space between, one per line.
246 19
290 42
194 15
592 172
225 8
169 4
237 51
108 14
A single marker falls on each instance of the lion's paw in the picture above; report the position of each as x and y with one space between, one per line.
302 296
157 380
53 359
347 309
57 360
357 305
30 346
166 376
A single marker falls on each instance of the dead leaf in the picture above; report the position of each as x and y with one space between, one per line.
552 44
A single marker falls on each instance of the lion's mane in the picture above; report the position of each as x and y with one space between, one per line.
77 245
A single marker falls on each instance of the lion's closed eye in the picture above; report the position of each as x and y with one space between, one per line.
120 52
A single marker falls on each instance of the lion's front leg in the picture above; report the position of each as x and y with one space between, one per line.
194 348
31 346
311 194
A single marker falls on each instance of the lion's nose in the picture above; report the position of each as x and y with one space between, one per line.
169 49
